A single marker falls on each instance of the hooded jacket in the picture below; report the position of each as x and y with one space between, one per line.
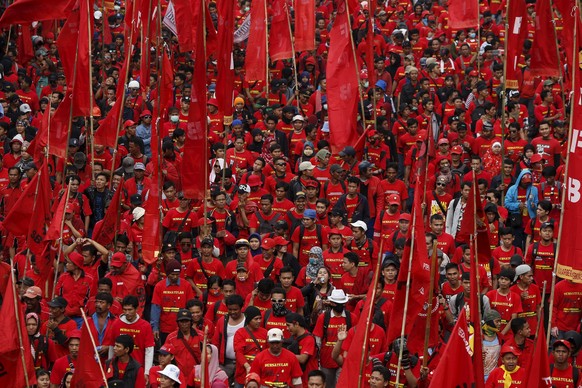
511 201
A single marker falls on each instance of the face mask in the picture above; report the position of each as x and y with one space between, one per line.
214 293
472 35
338 308
242 279
174 119
312 260
279 309
247 9
308 152
366 84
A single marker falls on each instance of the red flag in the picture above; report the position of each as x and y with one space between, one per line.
342 83
304 25
419 272
475 311
167 85
54 230
570 249
41 138
211 35
184 23
454 368
111 220
370 52
516 34
41 213
539 368
544 59
279 34
474 209
195 147
87 370
145 59
566 35
256 57
463 14
225 79
59 128
11 368
107 132
73 44
360 344
107 36
25 50
28 11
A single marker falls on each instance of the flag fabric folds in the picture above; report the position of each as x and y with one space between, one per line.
87 371
225 80
28 11
304 31
11 367
544 59
539 374
342 83
279 34
463 14
111 220
256 56
516 34
570 249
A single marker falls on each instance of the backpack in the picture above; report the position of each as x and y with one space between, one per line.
326 185
460 302
575 373
318 230
536 246
267 226
327 318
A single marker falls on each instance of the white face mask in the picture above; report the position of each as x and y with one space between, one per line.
366 84
174 119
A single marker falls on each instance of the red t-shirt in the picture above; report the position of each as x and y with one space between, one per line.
542 264
530 300
330 337
171 298
276 371
195 273
142 334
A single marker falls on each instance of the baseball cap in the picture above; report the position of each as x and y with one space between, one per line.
268 243
458 150
59 302
166 349
139 166
117 260
394 199
348 151
334 231
516 260
303 166
310 213
443 141
360 224
244 189
536 158
299 194
254 181
25 108
405 217
275 335
280 240
298 118
520 270
510 349
335 168
173 266
562 342
33 292
184 315
548 82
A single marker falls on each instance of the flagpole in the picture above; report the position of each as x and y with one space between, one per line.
97 358
476 322
73 86
205 121
360 91
293 56
18 324
369 314
67 193
8 40
433 261
91 124
540 322
563 201
160 52
504 99
267 61
204 357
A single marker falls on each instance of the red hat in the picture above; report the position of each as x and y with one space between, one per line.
419 137
268 243
311 183
145 113
562 342
117 260
213 102
405 217
394 199
536 158
280 240
253 377
443 141
76 258
254 181
166 349
74 334
333 231
457 150
128 123
509 349
473 73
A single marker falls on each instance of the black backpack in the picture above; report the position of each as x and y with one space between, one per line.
327 318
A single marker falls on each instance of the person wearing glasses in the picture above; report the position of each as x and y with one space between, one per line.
144 131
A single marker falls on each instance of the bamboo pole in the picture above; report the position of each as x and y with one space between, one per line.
94 347
8 40
433 263
91 125
293 59
204 358
18 324
159 115
503 101
563 201
204 121
266 54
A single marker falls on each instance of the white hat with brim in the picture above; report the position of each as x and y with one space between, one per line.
338 296
172 372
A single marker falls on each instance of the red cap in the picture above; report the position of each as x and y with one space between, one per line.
254 180
253 377
268 243
419 137
145 113
76 258
213 102
443 141
509 349
457 150
536 158
562 342
333 231
394 199
74 334
405 217
473 73
128 123
118 259
280 240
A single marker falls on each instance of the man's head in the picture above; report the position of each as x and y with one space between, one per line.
123 345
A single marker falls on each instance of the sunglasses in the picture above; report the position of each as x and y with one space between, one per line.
147 117
281 164
278 300
441 184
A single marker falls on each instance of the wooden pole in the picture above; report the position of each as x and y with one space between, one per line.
433 264
266 54
503 101
18 324
8 40
204 358
369 314
91 125
94 347
67 193
160 50
293 57
563 200
205 122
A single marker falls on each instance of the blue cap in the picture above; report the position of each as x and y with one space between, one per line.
310 213
381 84
237 122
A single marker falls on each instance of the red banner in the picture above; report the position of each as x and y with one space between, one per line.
195 147
24 42
475 223
569 263
41 213
73 45
342 84
184 23
110 224
225 79
87 370
544 59
59 128
304 25
516 33
11 367
28 11
256 56
463 14
279 34
539 374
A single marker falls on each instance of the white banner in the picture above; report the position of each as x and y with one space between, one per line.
242 33
170 18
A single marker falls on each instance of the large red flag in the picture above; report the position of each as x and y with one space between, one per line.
12 369
419 266
184 23
570 249
225 80
539 374
454 368
54 230
544 58
566 35
211 35
28 11
342 83
41 213
150 245
256 56
304 25
87 370
279 34
73 45
166 87
516 34
111 220
25 50
475 317
18 218
195 147
59 128
463 14
474 209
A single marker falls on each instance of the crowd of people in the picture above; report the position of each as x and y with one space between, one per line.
271 270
